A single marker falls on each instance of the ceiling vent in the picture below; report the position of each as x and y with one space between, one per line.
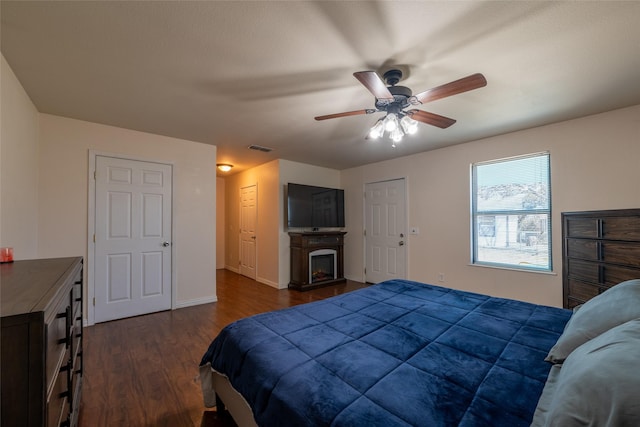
260 148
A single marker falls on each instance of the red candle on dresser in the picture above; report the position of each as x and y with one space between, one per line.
6 254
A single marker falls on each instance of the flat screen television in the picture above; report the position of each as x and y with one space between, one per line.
314 207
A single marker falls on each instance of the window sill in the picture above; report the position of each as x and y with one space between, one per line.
523 270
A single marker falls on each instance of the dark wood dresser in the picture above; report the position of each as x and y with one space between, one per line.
600 249
41 363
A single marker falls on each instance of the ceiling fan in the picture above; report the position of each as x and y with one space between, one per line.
395 99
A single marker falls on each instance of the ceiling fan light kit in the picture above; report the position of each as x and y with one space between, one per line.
393 100
396 128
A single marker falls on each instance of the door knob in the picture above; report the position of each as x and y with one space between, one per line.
253 237
165 243
401 243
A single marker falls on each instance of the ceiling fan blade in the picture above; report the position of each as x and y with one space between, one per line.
374 83
348 113
431 118
464 84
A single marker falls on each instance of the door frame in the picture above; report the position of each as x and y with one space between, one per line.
364 223
91 228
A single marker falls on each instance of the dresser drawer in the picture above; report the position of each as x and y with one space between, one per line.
626 253
615 252
613 274
76 384
582 227
583 270
596 272
58 339
77 294
58 403
583 249
610 228
583 292
621 228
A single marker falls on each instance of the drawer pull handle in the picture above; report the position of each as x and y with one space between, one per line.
68 328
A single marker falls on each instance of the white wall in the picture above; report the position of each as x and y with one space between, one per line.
298 173
272 242
594 165
265 178
18 167
63 190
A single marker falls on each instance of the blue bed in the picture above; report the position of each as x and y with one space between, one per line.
398 353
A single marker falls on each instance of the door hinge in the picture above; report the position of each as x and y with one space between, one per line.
94 301
95 174
94 237
364 232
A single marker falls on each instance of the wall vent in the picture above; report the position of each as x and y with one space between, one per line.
260 148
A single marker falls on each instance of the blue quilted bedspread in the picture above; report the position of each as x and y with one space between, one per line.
394 354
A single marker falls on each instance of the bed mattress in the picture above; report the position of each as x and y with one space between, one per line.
398 353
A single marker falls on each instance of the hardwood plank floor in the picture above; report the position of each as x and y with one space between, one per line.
142 371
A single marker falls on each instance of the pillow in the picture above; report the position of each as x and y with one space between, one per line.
598 383
546 398
613 307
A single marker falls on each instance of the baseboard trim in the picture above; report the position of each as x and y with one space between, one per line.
235 270
268 282
196 301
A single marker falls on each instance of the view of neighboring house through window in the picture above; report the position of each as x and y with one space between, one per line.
511 212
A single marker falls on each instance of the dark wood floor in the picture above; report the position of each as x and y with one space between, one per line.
142 371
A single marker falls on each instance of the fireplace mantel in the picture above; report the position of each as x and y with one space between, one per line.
304 243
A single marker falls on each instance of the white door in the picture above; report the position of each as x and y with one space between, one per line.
385 231
132 238
248 219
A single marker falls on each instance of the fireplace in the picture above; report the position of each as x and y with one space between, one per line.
317 259
322 265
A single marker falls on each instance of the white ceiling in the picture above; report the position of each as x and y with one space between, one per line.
237 73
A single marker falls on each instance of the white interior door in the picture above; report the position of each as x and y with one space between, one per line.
385 231
248 219
132 238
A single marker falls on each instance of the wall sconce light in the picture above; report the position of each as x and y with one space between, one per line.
224 167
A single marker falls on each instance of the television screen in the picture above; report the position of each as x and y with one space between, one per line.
314 207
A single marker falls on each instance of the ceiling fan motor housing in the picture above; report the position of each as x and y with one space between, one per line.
401 95
392 77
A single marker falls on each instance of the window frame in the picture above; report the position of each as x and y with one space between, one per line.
474 214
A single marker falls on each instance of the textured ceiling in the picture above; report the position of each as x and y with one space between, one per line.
239 73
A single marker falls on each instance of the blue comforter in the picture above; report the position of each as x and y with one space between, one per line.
394 354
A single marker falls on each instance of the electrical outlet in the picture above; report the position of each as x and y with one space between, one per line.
440 277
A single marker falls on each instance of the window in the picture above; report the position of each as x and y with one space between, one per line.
511 212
